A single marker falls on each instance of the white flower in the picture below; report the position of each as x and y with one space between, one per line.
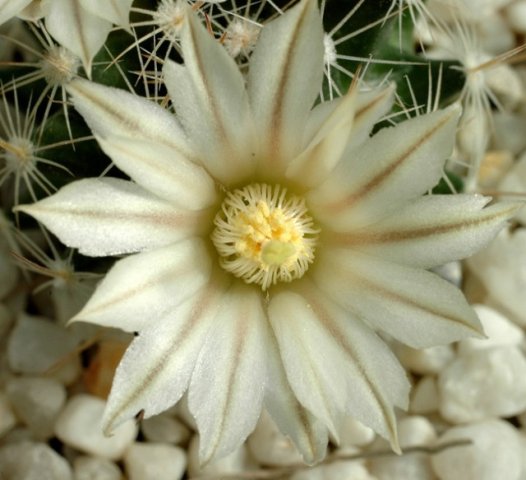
11 8
82 26
274 241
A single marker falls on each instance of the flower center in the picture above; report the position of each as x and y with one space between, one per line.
264 236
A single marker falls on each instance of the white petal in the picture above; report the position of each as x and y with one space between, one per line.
107 216
392 168
414 306
114 11
162 170
11 8
156 368
286 70
33 12
210 99
77 29
307 432
111 111
228 383
352 364
141 288
327 145
432 231
369 108
308 359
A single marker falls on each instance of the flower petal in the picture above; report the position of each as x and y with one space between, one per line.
210 99
325 149
111 111
11 8
307 432
155 370
77 29
307 353
161 169
33 12
286 70
114 11
432 231
369 108
334 129
355 370
108 216
414 306
394 167
143 287
228 383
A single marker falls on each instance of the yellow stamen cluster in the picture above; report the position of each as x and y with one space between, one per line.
264 236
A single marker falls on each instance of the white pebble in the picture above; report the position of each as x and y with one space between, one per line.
493 168
36 344
18 434
495 454
494 34
165 429
500 332
79 426
154 461
32 461
501 267
238 461
68 372
413 431
269 446
481 384
424 396
7 416
505 83
516 15
70 296
514 181
354 434
37 402
342 470
508 132
427 360
95 468
415 466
